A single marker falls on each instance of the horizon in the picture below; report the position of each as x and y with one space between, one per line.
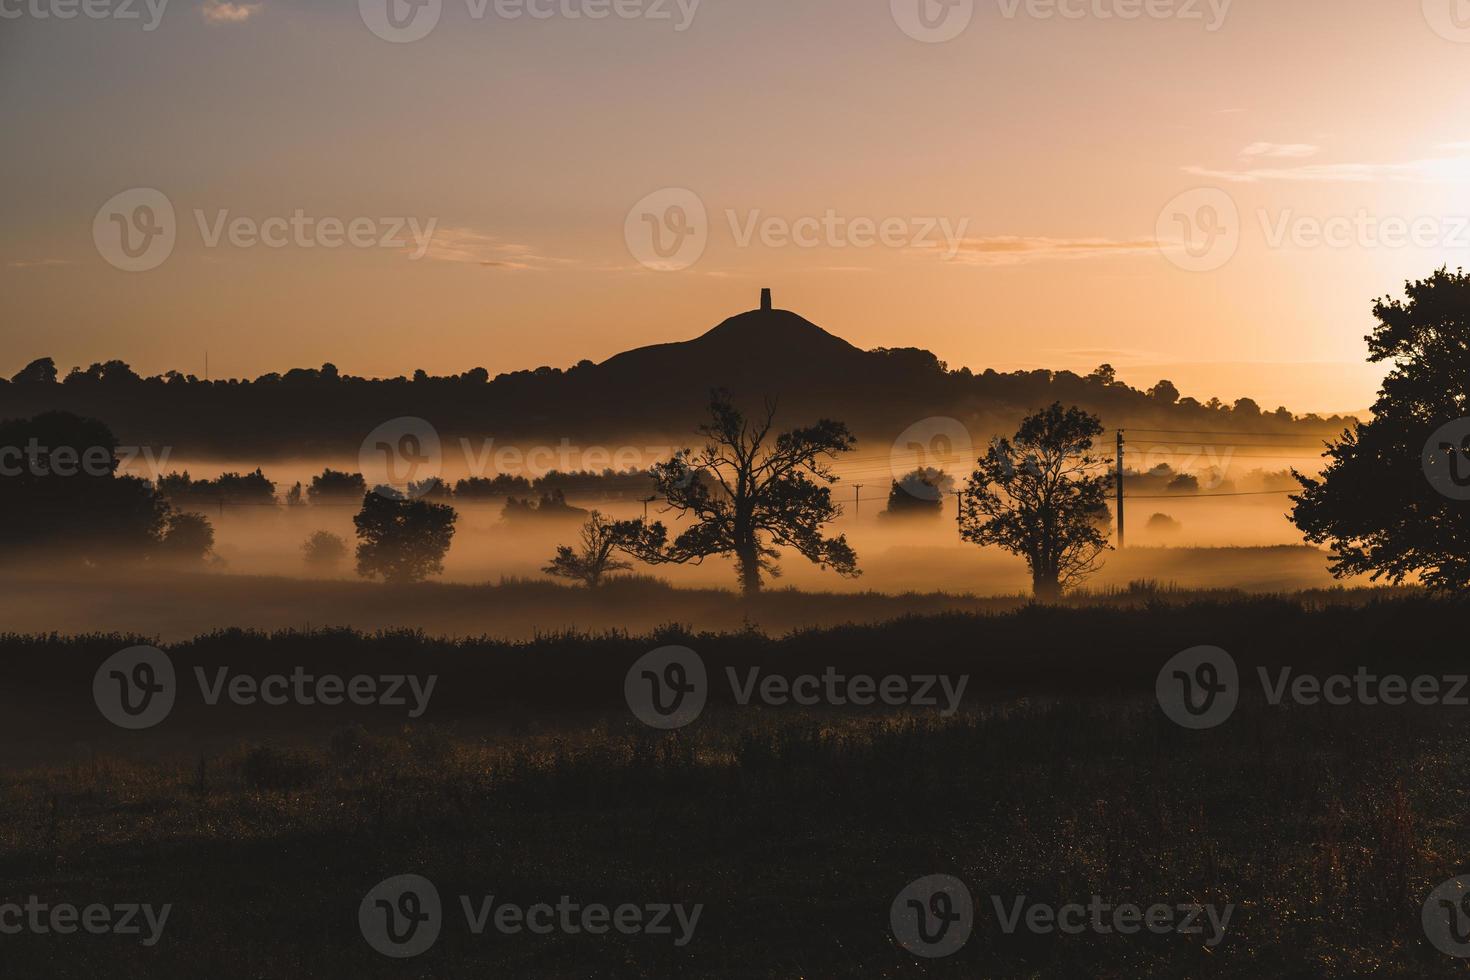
1138 376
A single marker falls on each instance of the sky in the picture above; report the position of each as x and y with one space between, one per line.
1213 192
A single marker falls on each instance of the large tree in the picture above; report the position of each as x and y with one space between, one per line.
1042 495
1391 500
749 494
61 495
402 540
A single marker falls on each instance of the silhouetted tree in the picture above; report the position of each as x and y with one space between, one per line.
60 493
919 493
235 489
41 371
594 555
1247 408
324 551
750 495
483 488
432 488
1165 392
1374 505
335 486
1183 483
1037 495
107 372
187 538
551 505
402 540
1162 524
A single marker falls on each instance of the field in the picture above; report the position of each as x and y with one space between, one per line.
521 604
528 779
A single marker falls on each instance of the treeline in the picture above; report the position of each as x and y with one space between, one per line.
329 487
328 412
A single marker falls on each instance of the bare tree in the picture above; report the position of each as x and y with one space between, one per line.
594 556
750 495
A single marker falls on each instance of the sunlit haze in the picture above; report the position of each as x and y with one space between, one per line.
1039 152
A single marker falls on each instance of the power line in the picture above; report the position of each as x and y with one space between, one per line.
1223 432
1196 496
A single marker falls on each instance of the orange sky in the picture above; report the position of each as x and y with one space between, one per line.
1041 154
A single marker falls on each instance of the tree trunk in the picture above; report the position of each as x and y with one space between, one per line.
1045 588
748 565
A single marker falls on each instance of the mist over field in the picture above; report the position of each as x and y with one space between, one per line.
1237 502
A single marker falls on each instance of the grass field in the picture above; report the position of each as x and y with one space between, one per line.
794 829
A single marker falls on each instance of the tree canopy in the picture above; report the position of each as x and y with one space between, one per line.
1394 498
402 540
749 494
1042 495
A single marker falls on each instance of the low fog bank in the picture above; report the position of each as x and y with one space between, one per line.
909 580
488 546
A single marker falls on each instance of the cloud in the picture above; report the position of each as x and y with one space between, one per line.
36 263
1288 150
470 247
1431 170
1016 250
225 12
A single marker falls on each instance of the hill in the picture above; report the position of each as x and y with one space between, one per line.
652 393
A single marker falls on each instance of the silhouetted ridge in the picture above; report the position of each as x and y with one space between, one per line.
651 393
757 337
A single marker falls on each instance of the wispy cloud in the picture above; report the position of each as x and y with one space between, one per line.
225 12
471 247
1281 150
1429 170
36 263
1015 250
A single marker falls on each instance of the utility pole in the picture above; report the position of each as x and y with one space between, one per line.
1120 489
857 499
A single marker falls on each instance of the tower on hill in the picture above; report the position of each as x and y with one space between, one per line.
766 300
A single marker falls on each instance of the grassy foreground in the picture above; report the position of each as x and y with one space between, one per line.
1060 779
